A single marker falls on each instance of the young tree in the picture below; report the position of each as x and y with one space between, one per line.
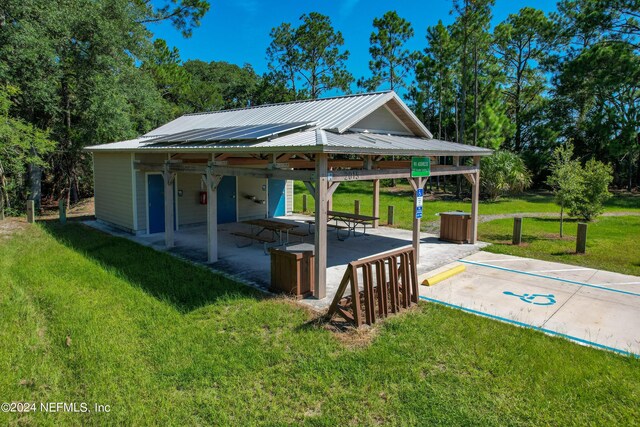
391 63
565 179
596 178
311 53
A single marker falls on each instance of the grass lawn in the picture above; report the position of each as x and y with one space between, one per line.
612 242
402 198
164 342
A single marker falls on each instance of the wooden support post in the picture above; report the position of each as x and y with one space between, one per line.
356 207
376 201
390 215
169 239
212 216
581 241
517 231
31 211
320 236
475 198
416 183
304 203
62 209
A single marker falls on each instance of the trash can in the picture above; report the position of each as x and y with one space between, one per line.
455 227
292 270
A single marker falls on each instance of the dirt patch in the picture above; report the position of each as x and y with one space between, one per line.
11 226
84 208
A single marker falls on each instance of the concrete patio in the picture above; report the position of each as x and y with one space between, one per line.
251 265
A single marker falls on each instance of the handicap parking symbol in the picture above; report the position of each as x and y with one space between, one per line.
535 299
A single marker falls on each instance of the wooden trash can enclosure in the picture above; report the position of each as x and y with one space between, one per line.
455 227
389 283
292 270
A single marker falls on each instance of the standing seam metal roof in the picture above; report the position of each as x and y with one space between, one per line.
327 113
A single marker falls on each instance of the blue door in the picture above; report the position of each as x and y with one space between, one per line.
227 200
277 197
155 187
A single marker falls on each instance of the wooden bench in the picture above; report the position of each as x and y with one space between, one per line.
329 224
264 240
299 233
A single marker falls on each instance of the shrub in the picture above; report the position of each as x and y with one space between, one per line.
503 172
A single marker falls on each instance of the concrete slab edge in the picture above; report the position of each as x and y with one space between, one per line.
535 328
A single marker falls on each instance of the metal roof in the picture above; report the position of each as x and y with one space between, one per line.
233 133
311 141
337 113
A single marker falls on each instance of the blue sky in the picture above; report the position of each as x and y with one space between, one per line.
237 31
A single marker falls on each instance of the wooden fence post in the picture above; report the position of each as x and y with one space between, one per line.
62 209
356 207
31 211
304 203
581 241
517 231
390 215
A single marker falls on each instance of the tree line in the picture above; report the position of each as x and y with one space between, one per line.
79 72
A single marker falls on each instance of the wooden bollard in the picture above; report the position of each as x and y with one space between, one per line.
390 210
62 209
356 207
31 210
581 241
517 231
304 203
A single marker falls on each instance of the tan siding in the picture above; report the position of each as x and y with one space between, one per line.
381 119
141 187
248 209
289 197
190 211
113 188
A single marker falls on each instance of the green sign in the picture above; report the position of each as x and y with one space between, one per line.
420 166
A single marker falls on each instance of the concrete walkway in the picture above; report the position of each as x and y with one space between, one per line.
252 266
592 307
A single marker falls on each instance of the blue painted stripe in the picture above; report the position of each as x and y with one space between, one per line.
573 282
535 328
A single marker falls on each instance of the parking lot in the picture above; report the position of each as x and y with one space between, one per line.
591 307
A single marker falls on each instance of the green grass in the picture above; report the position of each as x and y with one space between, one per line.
165 342
612 242
401 198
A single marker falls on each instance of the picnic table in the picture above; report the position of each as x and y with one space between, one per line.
276 227
350 221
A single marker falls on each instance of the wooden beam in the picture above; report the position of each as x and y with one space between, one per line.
169 177
364 175
212 216
320 236
442 170
475 198
392 164
471 178
310 188
296 175
376 202
331 188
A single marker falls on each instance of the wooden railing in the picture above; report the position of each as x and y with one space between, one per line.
389 284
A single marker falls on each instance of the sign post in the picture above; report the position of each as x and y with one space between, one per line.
419 200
